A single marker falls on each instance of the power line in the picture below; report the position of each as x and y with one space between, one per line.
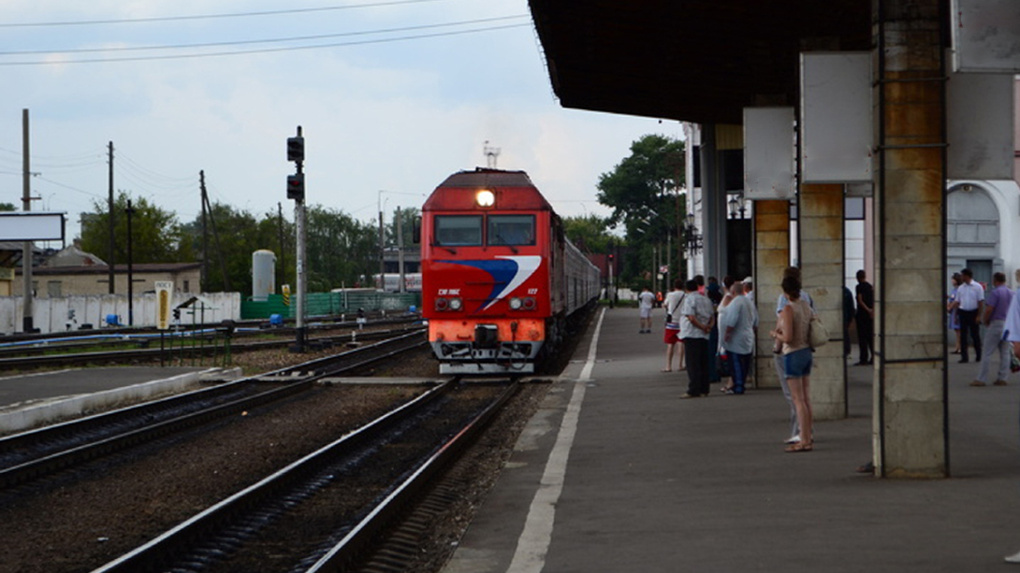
207 16
263 41
260 51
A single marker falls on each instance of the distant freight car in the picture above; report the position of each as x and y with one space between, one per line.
499 277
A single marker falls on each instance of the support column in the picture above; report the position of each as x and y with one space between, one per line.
910 391
713 237
821 263
771 256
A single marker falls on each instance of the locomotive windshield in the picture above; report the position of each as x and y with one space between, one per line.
511 230
458 230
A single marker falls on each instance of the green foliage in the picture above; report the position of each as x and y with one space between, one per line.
156 235
340 249
589 233
644 192
7 207
407 218
231 236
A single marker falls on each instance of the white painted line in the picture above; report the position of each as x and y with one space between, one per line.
533 544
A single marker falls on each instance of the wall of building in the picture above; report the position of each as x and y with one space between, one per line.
57 314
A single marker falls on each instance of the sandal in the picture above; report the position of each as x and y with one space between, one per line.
666 370
799 447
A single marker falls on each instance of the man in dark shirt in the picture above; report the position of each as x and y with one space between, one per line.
865 318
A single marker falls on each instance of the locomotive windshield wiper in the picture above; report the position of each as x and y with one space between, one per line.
504 242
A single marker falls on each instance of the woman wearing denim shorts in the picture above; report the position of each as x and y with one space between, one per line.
792 331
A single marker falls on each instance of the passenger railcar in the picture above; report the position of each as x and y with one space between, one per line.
499 277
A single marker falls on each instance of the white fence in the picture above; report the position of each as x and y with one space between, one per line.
69 313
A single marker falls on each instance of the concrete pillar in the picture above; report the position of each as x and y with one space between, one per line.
713 220
771 256
910 391
820 224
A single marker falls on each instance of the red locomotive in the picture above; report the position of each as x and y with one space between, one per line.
499 277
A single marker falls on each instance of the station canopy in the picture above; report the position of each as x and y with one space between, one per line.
700 61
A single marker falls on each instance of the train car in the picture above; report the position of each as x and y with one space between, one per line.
499 277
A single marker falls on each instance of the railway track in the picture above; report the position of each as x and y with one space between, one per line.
27 456
322 512
34 358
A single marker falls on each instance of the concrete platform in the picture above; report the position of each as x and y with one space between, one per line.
615 473
32 399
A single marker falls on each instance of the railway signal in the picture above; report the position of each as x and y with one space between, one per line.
296 149
296 191
296 186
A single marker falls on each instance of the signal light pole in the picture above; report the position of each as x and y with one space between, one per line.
296 191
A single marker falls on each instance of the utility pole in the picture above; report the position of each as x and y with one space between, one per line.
382 247
205 235
26 251
283 247
296 191
130 211
400 251
109 253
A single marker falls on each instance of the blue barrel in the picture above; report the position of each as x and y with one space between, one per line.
412 309
275 319
112 320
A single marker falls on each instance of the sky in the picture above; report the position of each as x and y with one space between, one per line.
392 96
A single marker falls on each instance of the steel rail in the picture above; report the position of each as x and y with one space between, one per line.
190 352
360 538
157 553
143 430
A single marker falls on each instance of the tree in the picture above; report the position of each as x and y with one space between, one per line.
644 192
7 207
232 237
156 235
589 233
340 249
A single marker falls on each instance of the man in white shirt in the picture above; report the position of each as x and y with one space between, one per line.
698 317
970 301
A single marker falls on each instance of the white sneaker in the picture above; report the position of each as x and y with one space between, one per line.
1014 558
793 439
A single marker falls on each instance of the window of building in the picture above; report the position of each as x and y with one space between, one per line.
187 285
53 289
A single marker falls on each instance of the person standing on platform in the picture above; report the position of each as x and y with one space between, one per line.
671 335
779 361
969 303
865 318
645 302
792 332
696 322
736 328
994 319
1011 333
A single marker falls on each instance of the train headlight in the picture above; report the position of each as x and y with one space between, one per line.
455 304
515 303
485 198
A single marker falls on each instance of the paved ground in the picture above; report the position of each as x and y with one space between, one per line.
653 483
48 385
